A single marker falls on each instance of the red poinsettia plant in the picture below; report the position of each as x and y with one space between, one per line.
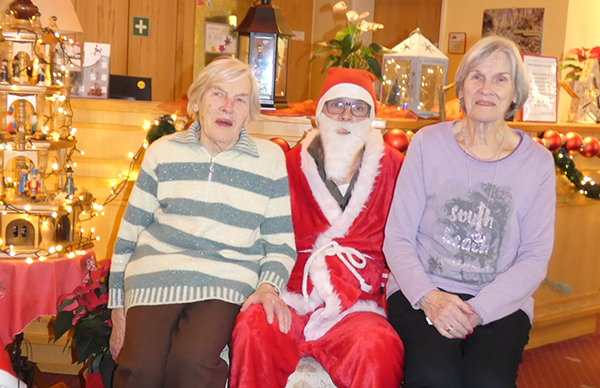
85 311
573 60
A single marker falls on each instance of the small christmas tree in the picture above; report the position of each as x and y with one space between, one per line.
393 97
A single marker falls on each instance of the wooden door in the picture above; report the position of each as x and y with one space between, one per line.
401 17
164 56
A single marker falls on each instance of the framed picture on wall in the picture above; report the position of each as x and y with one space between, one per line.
219 38
524 26
541 104
457 42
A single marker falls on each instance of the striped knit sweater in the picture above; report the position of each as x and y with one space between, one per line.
198 227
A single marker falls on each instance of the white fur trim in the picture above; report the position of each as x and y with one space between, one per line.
320 323
301 305
346 90
7 380
340 223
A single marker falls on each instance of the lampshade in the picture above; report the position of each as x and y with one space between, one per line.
266 18
66 17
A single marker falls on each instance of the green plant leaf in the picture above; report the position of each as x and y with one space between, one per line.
379 49
107 368
572 76
366 52
62 323
357 45
94 364
334 43
321 51
81 341
347 46
353 30
570 66
375 47
331 61
65 303
374 67
341 35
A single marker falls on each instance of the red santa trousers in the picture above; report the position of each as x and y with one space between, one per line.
360 351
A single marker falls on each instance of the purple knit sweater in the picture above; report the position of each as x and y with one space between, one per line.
491 238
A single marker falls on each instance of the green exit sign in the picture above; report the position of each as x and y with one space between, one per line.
141 26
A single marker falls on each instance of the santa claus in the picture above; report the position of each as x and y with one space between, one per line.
342 179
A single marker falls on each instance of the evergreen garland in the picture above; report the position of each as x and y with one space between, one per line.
164 127
563 161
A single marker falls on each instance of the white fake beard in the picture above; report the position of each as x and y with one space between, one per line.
340 150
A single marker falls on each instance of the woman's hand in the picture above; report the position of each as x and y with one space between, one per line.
452 317
272 304
117 336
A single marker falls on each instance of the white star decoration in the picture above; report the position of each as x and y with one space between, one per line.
428 47
407 45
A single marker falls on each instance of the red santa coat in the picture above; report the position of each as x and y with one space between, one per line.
340 266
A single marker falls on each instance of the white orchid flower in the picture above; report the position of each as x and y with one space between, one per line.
353 16
366 26
339 6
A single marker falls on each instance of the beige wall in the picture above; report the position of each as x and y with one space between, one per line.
467 16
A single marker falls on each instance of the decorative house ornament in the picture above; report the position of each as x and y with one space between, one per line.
38 215
585 93
264 45
412 75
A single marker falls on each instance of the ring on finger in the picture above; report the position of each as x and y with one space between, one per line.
449 329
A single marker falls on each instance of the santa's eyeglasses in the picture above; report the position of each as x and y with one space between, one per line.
358 109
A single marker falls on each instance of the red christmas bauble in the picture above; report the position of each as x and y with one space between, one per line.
553 139
590 147
573 142
543 142
281 143
397 139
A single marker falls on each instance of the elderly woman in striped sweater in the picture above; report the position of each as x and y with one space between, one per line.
207 229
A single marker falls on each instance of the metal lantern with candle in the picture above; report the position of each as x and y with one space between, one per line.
412 75
264 45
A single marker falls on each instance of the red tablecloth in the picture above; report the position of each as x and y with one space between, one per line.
29 291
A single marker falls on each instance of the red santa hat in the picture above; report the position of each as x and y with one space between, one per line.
349 83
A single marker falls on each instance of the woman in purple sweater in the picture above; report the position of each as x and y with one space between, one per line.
470 232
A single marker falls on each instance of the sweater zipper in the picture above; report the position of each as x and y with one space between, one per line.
211 168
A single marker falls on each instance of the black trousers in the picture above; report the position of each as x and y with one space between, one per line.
487 358
176 346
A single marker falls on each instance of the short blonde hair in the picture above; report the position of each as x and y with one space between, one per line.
222 69
484 50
